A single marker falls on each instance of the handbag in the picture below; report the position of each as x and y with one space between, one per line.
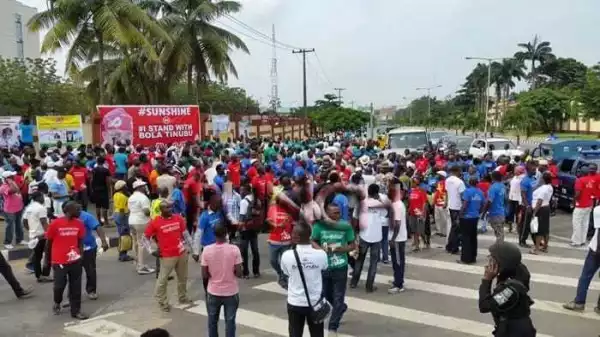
534 225
321 310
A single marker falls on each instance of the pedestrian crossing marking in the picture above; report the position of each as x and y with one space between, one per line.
460 325
544 258
472 294
551 244
102 328
255 320
478 270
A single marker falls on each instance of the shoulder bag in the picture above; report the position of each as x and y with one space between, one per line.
321 310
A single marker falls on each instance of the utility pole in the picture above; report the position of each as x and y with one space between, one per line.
303 52
339 90
274 100
372 121
429 97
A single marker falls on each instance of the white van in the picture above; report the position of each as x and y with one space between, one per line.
410 138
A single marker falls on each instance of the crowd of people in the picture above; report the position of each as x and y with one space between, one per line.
326 205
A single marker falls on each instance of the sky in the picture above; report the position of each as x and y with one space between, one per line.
380 51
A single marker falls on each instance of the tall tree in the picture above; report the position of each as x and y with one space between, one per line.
536 51
563 72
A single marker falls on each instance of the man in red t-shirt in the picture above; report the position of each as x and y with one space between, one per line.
65 236
417 203
280 238
235 172
583 203
259 184
192 193
80 178
169 231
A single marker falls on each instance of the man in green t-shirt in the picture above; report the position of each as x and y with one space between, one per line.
337 240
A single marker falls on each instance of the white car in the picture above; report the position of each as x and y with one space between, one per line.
497 146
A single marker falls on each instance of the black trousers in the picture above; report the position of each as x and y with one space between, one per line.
454 236
7 272
524 225
468 232
41 266
68 274
89 265
250 238
297 316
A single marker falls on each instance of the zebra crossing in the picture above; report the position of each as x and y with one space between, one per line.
440 299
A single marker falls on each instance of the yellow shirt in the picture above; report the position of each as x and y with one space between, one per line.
70 181
155 208
120 202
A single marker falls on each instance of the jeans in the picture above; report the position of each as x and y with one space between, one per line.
250 238
275 252
297 316
13 224
373 248
89 265
71 274
7 272
581 220
398 262
453 240
589 270
334 290
513 210
385 246
213 308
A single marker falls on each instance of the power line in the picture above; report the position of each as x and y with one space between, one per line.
322 69
258 32
267 41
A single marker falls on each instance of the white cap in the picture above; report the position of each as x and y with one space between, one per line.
7 174
138 183
442 173
543 162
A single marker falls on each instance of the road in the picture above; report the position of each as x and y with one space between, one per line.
440 300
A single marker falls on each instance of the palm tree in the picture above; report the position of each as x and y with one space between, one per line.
476 84
88 27
510 69
199 46
535 51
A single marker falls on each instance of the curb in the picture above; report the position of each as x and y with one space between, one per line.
23 252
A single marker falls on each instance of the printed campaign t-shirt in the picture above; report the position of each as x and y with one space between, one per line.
281 221
91 224
334 236
207 223
474 198
65 235
313 261
168 233
221 259
496 196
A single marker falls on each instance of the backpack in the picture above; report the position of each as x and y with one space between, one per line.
253 218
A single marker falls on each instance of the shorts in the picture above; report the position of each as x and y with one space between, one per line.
416 224
101 199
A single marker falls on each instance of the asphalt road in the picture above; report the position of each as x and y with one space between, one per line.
440 300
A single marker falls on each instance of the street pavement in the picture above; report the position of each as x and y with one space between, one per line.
440 299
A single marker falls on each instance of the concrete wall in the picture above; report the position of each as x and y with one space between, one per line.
11 31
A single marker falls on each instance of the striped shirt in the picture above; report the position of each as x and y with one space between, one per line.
232 207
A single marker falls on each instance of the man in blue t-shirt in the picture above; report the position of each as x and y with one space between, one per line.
90 248
26 133
473 200
528 184
495 206
121 164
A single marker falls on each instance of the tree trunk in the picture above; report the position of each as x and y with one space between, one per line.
533 77
190 83
100 67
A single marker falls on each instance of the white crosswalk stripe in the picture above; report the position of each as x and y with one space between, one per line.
551 244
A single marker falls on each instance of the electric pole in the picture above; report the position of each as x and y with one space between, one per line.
303 52
429 97
339 90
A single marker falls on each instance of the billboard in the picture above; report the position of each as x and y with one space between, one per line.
67 129
148 125
9 131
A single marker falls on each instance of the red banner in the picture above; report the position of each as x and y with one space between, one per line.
149 124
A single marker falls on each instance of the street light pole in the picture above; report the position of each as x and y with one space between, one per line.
429 97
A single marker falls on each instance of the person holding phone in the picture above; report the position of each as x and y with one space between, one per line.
509 302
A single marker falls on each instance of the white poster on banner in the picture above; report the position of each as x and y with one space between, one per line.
244 128
220 126
9 131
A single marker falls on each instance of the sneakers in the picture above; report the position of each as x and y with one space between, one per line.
92 296
25 293
45 279
165 308
8 246
395 290
80 316
145 270
185 301
126 258
56 309
574 306
597 310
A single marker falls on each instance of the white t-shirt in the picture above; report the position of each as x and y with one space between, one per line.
399 216
245 205
34 213
544 193
454 186
374 218
137 203
369 180
594 240
514 191
314 261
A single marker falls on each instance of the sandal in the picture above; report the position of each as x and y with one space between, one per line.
533 251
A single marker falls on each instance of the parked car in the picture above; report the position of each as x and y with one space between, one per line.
460 143
436 136
561 149
497 146
568 170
